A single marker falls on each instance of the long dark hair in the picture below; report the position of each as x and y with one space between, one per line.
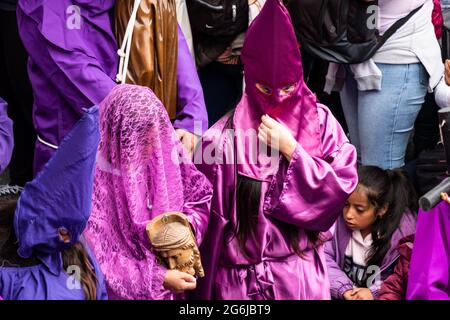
391 189
77 256
74 256
248 197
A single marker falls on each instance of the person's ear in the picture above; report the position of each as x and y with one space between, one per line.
383 211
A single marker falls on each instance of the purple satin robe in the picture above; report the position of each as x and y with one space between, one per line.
6 136
429 269
308 193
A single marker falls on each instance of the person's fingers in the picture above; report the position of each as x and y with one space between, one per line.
262 136
187 277
264 127
180 133
268 121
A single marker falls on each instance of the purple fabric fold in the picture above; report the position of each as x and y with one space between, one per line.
6 136
60 196
429 269
142 171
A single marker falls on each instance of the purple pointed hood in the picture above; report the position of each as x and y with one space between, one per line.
60 197
272 59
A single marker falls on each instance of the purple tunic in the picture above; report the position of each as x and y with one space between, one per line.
70 67
190 100
429 270
6 136
309 193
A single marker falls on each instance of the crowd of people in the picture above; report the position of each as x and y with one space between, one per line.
298 174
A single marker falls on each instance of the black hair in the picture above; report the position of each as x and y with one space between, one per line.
389 189
248 197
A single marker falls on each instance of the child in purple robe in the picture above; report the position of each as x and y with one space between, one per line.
377 218
42 256
6 136
269 214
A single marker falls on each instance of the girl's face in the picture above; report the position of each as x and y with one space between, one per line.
359 213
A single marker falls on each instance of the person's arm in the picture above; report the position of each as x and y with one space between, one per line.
6 136
191 109
312 192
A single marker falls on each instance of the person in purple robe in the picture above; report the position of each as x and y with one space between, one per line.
42 254
142 171
6 136
270 214
73 64
429 269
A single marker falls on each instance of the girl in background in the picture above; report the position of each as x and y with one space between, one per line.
379 214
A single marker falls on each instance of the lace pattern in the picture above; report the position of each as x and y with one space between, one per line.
136 180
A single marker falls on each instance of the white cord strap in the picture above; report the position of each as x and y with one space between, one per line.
48 144
125 49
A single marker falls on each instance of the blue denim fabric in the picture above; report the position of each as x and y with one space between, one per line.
381 122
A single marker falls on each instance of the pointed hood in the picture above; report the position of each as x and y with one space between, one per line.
272 62
60 196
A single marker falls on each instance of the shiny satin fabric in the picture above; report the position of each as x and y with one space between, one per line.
154 48
309 193
271 58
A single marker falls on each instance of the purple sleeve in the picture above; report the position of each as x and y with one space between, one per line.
68 59
6 136
312 193
191 115
429 276
339 282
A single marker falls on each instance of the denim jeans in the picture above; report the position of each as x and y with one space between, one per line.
380 122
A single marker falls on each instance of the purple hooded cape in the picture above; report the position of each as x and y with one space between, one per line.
6 136
307 193
72 63
59 197
429 269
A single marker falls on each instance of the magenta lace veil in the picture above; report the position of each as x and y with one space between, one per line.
136 179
